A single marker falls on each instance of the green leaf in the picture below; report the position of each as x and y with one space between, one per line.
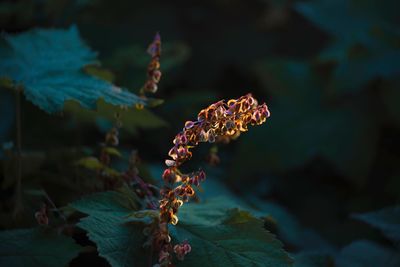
121 202
36 247
222 235
365 44
287 225
132 119
113 151
48 64
119 239
277 219
91 163
35 192
313 259
387 220
363 253
346 20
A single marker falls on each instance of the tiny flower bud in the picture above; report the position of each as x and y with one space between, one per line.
170 163
189 124
182 249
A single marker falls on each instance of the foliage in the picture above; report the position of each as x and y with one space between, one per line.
117 240
387 220
317 187
131 119
48 63
36 247
354 255
227 236
114 224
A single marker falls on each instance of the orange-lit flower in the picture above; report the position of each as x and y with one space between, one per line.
220 122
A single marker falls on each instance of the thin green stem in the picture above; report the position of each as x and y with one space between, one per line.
18 175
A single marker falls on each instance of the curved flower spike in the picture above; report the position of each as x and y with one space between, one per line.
221 121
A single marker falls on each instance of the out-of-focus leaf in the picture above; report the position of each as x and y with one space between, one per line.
363 253
387 220
48 63
35 192
132 119
36 248
112 151
90 163
313 259
303 126
222 235
279 220
118 239
154 102
363 47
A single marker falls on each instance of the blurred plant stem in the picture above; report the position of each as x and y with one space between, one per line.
18 190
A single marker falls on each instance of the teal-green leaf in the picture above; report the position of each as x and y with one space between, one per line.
364 253
119 239
221 234
121 202
313 259
364 45
387 220
36 247
48 64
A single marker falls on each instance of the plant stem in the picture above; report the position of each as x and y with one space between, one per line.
18 174
54 206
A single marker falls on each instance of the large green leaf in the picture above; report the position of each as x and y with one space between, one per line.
118 239
277 218
222 235
36 247
48 63
387 220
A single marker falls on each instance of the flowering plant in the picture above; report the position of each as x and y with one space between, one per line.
221 121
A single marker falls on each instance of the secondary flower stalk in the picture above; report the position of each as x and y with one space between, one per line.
153 68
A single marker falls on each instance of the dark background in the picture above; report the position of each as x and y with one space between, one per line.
328 70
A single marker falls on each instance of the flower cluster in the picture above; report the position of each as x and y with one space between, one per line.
153 69
220 122
182 249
